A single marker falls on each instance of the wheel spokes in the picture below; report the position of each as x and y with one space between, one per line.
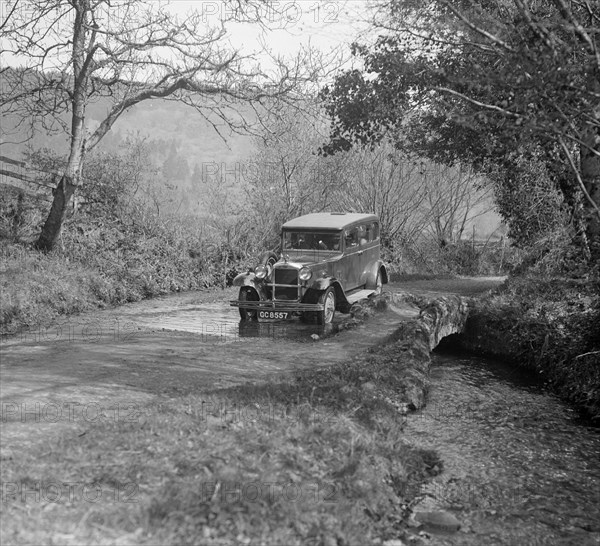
329 307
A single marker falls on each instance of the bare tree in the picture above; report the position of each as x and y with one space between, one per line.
384 181
61 56
288 178
413 197
455 196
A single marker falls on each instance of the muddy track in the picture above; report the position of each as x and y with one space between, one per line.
123 358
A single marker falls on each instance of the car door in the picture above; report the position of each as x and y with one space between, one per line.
363 243
351 262
368 237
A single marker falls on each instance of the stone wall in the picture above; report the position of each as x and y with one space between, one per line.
408 350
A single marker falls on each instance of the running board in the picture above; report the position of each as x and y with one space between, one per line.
360 295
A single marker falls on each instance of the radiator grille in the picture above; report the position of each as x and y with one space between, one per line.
286 276
286 293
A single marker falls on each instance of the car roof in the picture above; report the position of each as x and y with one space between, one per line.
329 220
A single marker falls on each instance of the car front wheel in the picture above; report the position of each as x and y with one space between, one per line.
327 298
248 294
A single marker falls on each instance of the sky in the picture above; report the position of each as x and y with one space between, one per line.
288 26
326 23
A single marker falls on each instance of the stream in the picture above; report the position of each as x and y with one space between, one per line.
520 467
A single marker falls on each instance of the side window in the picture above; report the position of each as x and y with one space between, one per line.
374 231
351 236
363 236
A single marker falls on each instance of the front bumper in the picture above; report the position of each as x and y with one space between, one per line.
290 306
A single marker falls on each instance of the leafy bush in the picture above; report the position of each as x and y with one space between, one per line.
554 254
20 215
529 199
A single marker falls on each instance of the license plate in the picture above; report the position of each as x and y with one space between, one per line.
274 315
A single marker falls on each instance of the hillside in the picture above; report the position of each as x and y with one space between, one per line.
203 172
157 119
189 153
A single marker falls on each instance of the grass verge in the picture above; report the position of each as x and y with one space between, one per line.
35 288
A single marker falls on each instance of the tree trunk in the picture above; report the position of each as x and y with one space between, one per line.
590 171
590 175
52 227
72 176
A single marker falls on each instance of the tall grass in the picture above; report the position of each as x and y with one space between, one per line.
108 261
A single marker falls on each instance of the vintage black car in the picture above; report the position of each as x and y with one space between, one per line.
329 260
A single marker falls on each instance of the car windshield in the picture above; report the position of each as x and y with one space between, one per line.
310 240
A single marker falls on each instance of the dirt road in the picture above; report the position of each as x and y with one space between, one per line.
116 360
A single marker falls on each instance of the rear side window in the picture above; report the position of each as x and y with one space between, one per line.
363 234
374 231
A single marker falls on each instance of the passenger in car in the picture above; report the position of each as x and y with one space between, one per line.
351 238
362 235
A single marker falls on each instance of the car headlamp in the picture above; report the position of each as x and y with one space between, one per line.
305 274
261 271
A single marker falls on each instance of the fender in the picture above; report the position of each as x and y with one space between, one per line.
245 279
341 303
322 284
379 266
249 279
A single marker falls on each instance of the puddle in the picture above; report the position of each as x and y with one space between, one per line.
223 322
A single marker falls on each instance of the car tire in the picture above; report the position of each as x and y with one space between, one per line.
248 294
268 258
327 298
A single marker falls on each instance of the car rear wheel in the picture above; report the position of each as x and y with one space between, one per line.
248 294
327 298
